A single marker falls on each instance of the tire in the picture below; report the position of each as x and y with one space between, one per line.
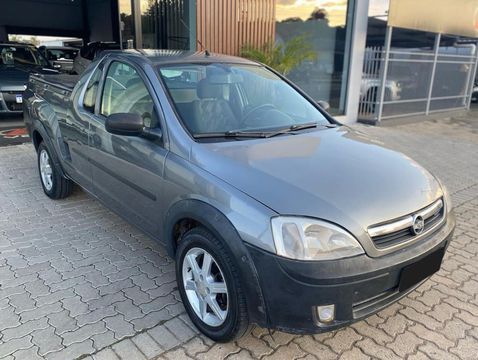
54 184
236 323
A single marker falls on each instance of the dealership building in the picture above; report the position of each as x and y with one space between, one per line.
373 59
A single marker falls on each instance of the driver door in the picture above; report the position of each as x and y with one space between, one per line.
127 170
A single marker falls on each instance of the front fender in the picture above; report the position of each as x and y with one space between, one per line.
219 225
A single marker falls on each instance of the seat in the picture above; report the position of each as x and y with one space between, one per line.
212 113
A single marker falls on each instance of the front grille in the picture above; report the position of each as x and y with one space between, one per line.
10 98
400 230
13 106
368 306
375 303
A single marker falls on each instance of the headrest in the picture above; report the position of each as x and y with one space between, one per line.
207 90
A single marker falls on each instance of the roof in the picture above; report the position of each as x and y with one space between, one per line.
14 43
158 57
52 47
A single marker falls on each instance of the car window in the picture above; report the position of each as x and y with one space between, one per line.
89 100
21 56
125 92
57 54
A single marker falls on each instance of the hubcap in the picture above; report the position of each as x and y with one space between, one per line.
205 287
46 171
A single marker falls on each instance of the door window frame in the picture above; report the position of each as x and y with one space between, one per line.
107 65
81 99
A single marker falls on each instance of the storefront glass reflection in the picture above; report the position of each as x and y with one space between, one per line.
126 24
320 26
164 24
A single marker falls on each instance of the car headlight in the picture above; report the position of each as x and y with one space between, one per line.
309 239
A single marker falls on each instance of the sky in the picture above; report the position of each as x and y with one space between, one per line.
40 38
336 9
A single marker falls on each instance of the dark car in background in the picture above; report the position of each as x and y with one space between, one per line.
90 52
17 62
61 57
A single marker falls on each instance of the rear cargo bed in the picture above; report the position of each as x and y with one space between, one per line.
63 81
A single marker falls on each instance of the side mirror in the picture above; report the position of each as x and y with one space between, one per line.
127 124
323 104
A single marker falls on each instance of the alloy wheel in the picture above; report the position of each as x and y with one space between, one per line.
46 171
205 287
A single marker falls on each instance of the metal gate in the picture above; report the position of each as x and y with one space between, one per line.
409 82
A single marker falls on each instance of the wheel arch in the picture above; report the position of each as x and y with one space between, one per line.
187 214
37 138
39 134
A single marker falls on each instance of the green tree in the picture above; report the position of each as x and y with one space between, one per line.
282 57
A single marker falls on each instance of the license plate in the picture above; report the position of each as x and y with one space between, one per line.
414 273
19 98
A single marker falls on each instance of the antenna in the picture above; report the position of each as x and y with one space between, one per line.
206 51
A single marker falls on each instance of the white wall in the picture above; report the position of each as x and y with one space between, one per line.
359 35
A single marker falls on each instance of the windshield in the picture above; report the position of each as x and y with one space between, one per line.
61 54
225 98
21 55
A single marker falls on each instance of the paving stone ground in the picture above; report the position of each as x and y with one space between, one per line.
76 281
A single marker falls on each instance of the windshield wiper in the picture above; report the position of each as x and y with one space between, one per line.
260 134
231 134
298 127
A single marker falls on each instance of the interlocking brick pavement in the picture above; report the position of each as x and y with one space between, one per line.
76 281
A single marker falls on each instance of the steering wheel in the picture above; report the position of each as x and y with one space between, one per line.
255 109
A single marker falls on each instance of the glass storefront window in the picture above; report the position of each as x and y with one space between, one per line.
322 27
164 24
148 20
126 24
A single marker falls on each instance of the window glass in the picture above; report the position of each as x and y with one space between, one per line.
126 24
61 54
125 92
13 55
89 101
315 35
164 24
228 97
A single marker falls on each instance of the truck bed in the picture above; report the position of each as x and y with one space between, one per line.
62 81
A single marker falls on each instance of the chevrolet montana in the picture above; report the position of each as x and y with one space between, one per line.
277 215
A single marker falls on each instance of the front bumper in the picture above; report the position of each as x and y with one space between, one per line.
9 104
358 287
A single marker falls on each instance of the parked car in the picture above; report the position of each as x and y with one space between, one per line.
474 94
61 57
90 52
370 91
276 214
17 62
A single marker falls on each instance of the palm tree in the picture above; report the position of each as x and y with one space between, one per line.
281 57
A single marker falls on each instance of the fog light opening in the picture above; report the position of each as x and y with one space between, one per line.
326 313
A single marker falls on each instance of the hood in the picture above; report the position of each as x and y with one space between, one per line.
336 174
13 78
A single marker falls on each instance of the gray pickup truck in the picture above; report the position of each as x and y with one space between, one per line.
276 214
